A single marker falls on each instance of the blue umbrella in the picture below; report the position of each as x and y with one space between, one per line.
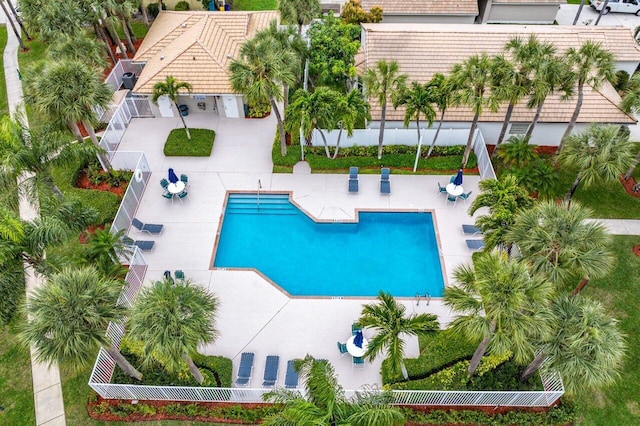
173 178
458 180
358 339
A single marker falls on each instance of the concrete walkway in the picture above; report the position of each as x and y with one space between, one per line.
47 389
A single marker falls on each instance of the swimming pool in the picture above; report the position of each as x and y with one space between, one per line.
396 252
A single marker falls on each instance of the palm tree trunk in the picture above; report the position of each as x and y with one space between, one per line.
283 139
122 362
467 150
503 131
573 188
604 6
130 28
104 160
19 20
633 167
435 138
193 368
533 367
184 123
76 131
114 36
478 354
579 12
127 36
145 15
574 117
285 101
335 153
583 283
381 134
99 31
405 374
13 26
324 139
536 117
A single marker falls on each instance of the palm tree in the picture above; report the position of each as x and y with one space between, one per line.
504 198
499 303
49 19
441 94
13 26
79 47
558 242
387 318
260 74
591 64
351 109
384 83
106 251
631 104
68 318
585 346
601 153
171 89
312 111
171 320
300 12
324 402
417 101
470 83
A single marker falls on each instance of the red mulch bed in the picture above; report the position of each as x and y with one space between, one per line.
628 185
83 182
636 250
84 237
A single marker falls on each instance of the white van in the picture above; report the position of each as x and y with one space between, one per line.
621 6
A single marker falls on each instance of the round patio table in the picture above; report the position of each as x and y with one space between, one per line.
176 188
454 190
354 350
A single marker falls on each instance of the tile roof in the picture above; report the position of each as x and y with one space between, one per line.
196 47
424 7
428 48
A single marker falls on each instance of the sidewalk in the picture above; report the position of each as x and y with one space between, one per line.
47 389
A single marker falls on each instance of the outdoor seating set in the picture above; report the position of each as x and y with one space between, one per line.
149 228
270 376
473 230
178 274
356 346
174 187
385 183
454 190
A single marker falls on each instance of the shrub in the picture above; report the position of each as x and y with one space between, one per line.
259 110
152 9
622 81
182 5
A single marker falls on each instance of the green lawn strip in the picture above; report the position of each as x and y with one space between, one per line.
199 145
619 293
254 5
16 386
139 29
4 103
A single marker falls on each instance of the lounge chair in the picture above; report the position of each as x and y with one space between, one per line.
353 185
355 328
150 228
358 362
475 244
442 189
179 274
465 197
245 368
353 173
471 230
342 347
291 378
141 244
385 185
270 371
384 173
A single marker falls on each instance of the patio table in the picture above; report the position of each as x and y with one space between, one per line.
354 350
176 188
454 190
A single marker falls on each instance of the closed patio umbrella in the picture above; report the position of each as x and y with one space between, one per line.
458 180
358 339
173 178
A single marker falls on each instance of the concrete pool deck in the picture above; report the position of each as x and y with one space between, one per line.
254 316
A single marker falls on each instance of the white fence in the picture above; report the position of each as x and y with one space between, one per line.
123 66
484 161
130 107
137 162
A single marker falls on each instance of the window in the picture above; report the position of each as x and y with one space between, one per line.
519 128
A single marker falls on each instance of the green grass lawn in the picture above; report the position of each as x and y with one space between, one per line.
199 145
16 390
254 5
619 292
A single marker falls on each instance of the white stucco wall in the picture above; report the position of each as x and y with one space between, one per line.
431 19
521 14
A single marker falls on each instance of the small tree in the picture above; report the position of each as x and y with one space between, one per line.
171 89
299 12
417 101
353 13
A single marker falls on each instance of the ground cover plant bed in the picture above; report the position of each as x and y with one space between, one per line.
200 144
94 177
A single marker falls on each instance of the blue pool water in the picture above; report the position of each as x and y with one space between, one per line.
389 251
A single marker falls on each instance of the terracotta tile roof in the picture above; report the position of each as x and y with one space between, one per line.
196 47
428 48
424 7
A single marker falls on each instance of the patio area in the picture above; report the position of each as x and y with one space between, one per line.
254 315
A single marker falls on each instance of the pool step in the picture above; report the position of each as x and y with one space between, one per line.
266 203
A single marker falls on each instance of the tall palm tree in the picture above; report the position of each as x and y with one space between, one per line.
171 320
68 318
585 346
106 251
384 83
441 94
324 402
299 12
79 47
13 26
260 73
170 88
591 64
311 111
631 104
388 319
504 198
417 101
471 83
351 109
500 304
558 242
601 153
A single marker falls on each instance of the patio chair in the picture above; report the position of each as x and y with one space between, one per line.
342 347
291 378
150 228
355 328
182 195
471 230
270 371
179 274
475 244
465 197
184 178
245 368
164 183
168 196
442 189
358 362
452 179
452 198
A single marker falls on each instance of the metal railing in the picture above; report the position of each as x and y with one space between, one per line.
484 160
130 107
114 79
137 162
